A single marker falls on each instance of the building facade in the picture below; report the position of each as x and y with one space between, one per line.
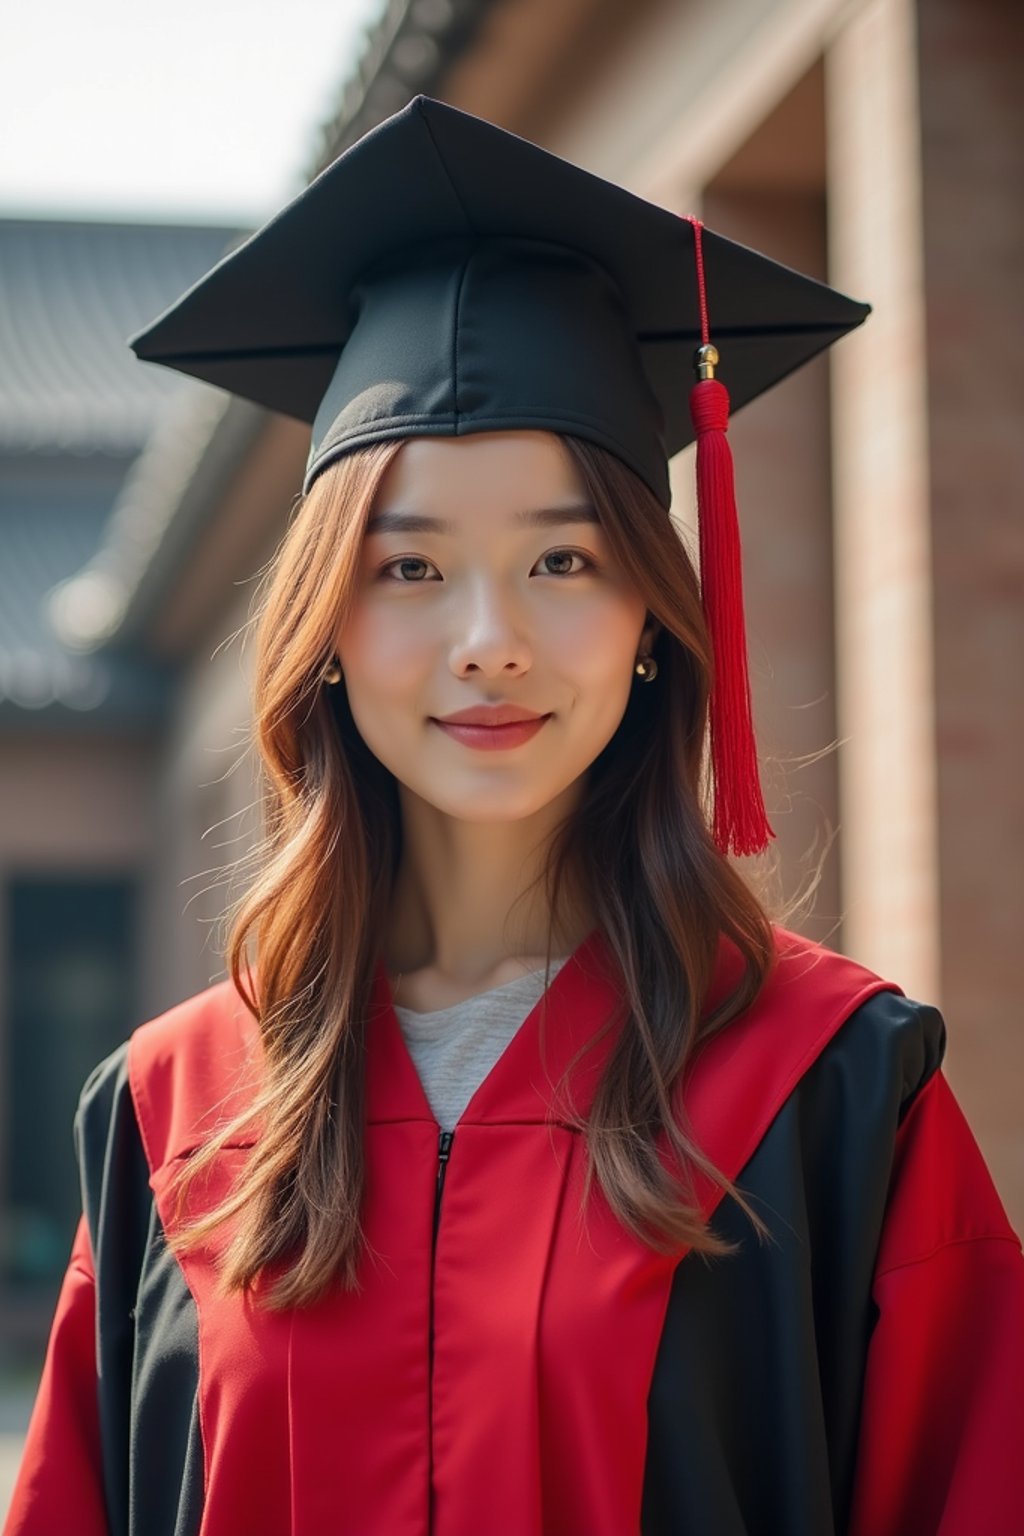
81 734
875 143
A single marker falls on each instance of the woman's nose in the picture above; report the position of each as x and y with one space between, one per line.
488 634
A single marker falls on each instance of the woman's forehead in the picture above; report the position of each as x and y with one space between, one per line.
505 470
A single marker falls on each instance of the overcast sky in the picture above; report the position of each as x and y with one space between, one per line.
193 109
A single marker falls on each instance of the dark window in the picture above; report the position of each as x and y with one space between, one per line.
71 950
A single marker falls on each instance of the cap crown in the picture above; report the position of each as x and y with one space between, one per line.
446 276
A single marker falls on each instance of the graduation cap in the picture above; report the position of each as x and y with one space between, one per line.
444 276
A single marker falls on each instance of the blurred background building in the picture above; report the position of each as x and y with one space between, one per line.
875 143
80 732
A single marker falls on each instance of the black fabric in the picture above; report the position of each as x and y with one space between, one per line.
445 276
147 1330
755 1399
452 346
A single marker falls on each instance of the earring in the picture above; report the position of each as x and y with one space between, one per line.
647 668
332 672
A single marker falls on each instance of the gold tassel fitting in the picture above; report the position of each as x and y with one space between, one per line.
705 361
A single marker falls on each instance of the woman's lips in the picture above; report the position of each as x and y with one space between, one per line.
493 738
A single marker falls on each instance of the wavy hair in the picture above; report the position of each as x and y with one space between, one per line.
319 885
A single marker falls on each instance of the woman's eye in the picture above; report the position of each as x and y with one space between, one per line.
559 562
408 569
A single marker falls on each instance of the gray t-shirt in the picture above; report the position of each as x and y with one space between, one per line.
454 1048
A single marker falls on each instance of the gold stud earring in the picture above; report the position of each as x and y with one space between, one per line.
332 672
647 668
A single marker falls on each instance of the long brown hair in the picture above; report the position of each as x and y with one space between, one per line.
313 913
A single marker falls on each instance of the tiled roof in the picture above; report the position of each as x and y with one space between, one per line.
71 292
76 408
47 532
195 435
43 538
409 48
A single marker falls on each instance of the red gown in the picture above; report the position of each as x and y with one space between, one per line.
509 1370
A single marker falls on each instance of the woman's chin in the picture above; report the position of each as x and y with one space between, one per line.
488 804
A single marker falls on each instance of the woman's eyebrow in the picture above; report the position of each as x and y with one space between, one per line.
396 521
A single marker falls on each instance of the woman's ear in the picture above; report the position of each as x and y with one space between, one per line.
651 630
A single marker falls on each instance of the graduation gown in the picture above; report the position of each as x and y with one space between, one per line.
508 1369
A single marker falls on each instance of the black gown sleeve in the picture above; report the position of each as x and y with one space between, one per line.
113 1447
760 1371
861 1374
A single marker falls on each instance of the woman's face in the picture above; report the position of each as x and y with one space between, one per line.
486 580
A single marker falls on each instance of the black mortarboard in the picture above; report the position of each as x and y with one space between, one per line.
444 276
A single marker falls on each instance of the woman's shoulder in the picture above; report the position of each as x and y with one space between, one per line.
805 967
171 1074
821 1020
877 1035
214 1017
823 1062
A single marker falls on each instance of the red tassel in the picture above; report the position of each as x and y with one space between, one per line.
740 822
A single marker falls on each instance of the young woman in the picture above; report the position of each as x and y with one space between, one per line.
522 1177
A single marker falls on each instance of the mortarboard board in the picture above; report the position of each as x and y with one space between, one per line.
445 276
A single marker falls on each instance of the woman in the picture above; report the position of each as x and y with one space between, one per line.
408 1227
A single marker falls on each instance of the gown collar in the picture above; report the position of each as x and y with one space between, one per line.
582 997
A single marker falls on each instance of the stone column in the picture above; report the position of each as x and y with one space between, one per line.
972 146
884 655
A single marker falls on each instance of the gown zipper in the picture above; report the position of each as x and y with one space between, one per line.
443 1153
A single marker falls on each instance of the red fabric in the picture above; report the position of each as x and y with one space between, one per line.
561 1445
335 1404
942 1424
740 823
59 1486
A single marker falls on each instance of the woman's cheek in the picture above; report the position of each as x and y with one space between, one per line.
383 650
600 654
